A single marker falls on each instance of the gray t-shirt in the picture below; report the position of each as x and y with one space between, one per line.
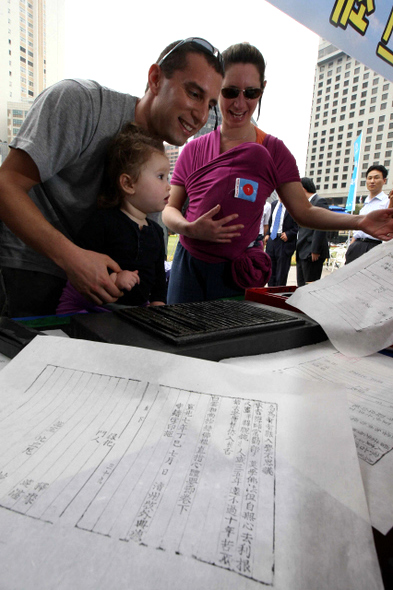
66 133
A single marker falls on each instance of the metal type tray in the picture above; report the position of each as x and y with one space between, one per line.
186 323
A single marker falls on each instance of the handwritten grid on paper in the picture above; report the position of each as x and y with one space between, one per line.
140 462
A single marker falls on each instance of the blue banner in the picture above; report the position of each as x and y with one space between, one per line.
361 28
351 200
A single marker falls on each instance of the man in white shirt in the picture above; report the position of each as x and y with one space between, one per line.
361 243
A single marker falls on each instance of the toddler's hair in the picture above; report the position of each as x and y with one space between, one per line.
127 152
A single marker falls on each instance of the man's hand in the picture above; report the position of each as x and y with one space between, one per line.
378 223
125 279
88 273
284 237
210 230
314 256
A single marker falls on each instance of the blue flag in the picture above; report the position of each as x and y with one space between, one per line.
351 199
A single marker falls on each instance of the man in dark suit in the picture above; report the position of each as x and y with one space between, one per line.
312 247
280 243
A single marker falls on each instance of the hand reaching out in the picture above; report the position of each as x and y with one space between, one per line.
378 223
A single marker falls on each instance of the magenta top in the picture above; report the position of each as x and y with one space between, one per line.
240 180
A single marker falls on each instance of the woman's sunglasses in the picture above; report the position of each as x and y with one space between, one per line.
249 93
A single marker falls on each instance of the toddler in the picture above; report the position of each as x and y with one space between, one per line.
135 184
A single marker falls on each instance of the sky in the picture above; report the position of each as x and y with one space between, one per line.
115 42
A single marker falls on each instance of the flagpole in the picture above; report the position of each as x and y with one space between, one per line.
351 199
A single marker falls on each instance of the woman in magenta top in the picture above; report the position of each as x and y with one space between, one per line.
227 176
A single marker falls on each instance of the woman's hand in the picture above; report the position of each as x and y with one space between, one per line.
210 230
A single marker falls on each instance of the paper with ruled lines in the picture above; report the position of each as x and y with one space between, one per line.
123 467
368 385
354 304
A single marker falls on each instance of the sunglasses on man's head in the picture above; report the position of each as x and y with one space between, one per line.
249 93
202 44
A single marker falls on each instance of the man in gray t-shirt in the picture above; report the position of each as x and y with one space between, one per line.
51 178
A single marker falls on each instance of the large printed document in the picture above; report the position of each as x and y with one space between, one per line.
354 305
127 468
368 383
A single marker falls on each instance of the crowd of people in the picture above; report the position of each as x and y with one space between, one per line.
78 197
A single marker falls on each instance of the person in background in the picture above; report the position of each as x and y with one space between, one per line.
280 243
267 211
264 227
50 180
135 185
217 227
312 246
376 178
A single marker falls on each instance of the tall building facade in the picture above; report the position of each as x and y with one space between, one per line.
348 99
172 152
31 57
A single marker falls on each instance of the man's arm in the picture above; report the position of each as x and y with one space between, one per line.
86 270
